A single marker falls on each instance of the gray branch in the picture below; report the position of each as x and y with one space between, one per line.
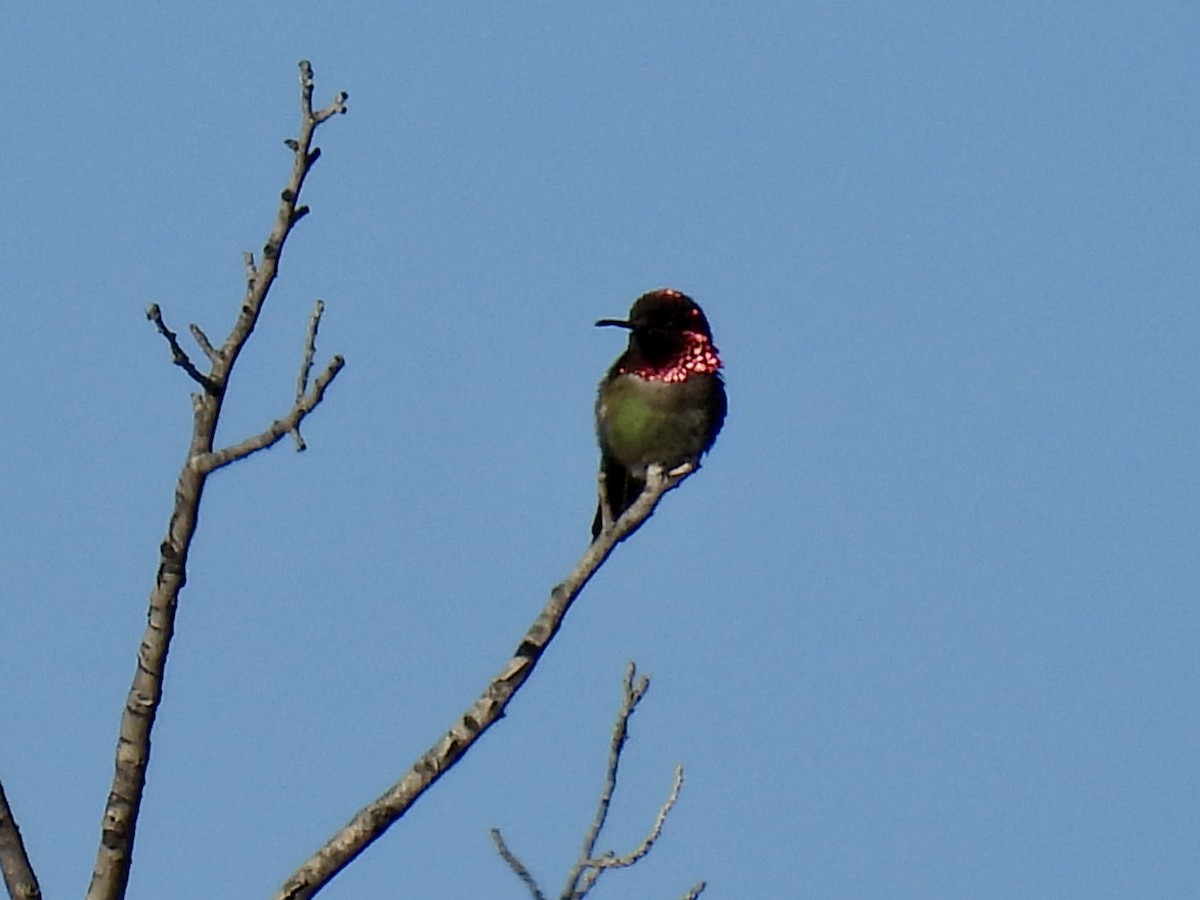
202 339
110 876
369 823
516 865
635 690
289 424
310 350
589 867
178 354
19 878
594 867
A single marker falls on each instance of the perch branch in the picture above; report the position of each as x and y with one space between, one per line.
696 890
19 879
110 876
516 865
369 823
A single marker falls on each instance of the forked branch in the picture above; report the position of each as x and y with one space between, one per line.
307 400
178 354
111 874
589 867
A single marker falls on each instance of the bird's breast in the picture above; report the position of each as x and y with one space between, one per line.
643 421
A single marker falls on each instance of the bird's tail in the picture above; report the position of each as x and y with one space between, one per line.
622 488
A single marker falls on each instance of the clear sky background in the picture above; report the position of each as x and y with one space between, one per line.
926 624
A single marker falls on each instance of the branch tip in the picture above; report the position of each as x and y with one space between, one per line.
310 350
516 865
178 354
201 338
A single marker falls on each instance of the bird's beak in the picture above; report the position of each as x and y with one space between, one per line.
620 323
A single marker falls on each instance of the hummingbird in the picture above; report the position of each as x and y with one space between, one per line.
663 401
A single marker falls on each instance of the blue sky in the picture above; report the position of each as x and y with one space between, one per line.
924 626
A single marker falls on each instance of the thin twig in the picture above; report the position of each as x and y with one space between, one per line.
202 339
110 876
587 870
19 877
595 867
612 861
337 107
178 354
289 424
310 350
633 694
516 865
375 818
696 890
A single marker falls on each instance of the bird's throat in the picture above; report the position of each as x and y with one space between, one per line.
698 357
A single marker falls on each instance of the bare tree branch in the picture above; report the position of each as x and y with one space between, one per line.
516 865
310 350
289 424
111 874
376 817
178 355
611 861
337 107
202 339
696 891
634 692
19 879
261 277
589 867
